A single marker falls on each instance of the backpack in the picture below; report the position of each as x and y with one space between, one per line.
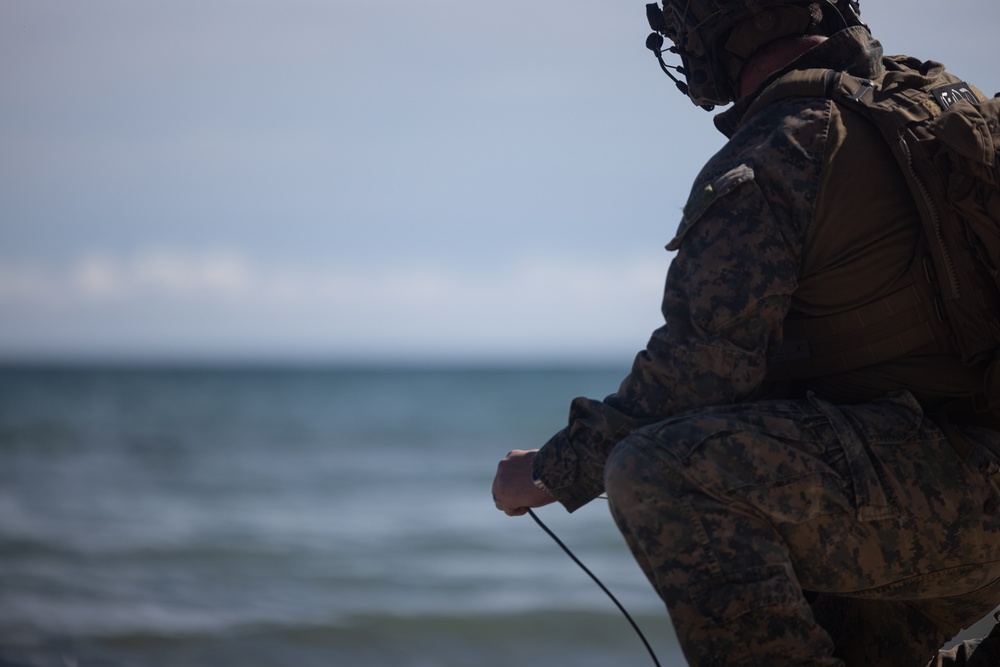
945 134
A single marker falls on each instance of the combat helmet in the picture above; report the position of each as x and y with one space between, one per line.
714 38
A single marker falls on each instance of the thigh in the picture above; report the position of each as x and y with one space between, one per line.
757 502
932 536
678 493
871 500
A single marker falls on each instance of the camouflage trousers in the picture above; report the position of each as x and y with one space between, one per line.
795 532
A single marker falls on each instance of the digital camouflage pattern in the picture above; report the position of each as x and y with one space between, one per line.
778 528
741 242
798 533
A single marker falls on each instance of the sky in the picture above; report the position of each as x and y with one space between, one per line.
353 180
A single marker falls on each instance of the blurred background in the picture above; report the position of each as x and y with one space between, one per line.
280 282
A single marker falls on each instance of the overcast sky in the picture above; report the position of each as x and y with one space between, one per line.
354 179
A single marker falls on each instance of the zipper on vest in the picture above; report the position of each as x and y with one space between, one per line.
935 220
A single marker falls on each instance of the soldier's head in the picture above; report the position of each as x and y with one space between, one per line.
714 38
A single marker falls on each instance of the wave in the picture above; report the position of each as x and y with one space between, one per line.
582 639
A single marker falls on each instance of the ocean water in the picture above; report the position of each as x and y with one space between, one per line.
292 516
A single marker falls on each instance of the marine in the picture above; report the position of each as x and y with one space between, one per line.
792 513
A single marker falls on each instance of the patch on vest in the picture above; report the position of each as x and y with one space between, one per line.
948 95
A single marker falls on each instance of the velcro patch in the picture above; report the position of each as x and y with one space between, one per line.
948 95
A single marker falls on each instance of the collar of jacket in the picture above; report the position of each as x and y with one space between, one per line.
853 50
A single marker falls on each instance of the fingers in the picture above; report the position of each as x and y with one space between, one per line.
513 489
517 511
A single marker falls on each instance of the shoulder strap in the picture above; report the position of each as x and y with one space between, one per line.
896 98
798 83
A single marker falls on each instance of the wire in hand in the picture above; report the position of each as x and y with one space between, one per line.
599 583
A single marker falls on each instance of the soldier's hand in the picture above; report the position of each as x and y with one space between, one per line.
513 490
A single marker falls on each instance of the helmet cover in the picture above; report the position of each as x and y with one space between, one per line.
714 38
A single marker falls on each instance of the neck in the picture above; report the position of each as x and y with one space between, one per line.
771 57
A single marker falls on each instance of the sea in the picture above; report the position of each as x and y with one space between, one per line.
327 516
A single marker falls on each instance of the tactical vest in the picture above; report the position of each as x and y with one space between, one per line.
945 135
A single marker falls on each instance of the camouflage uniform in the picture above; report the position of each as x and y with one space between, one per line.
824 523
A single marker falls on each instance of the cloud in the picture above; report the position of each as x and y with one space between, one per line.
173 301
95 279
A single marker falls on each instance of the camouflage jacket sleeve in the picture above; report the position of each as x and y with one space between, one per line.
727 292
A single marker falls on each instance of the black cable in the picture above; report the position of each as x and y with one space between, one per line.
598 582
